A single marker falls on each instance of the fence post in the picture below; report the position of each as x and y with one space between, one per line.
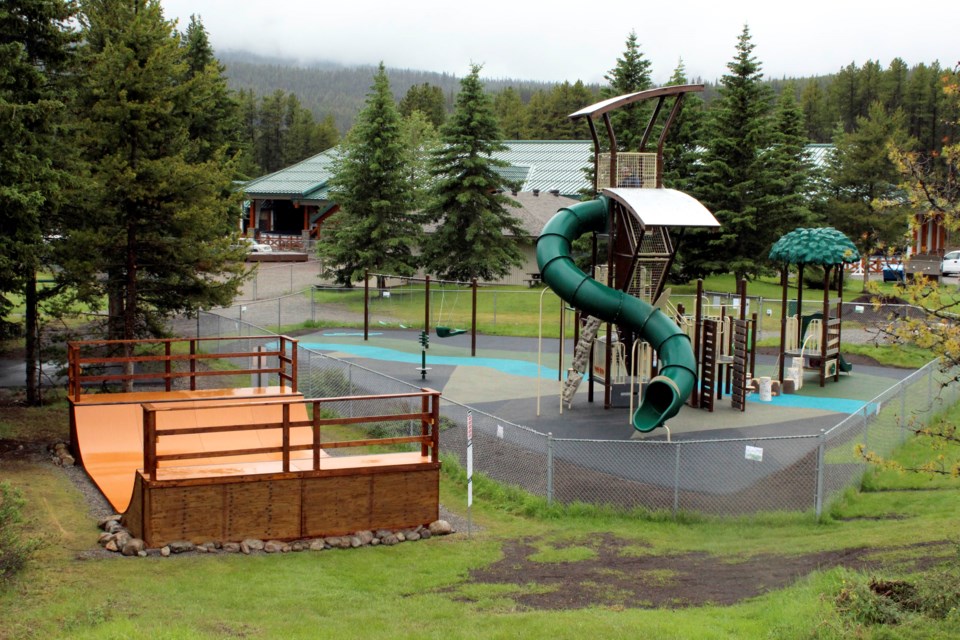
550 468
821 450
676 482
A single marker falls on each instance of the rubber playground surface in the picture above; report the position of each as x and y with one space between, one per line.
503 381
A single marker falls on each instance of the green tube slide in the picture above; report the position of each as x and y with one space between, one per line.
667 392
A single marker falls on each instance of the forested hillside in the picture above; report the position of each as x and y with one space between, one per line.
331 89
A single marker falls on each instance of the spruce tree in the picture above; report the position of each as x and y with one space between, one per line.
789 174
475 234
864 200
732 177
154 234
631 74
36 41
680 154
374 229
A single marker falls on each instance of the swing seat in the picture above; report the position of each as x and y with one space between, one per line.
446 332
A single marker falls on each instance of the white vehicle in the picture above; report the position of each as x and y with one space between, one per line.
255 247
950 265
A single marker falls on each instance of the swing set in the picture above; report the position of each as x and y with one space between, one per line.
443 330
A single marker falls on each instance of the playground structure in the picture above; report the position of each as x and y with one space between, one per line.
635 214
724 341
233 463
828 248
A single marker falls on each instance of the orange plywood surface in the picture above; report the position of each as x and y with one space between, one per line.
110 437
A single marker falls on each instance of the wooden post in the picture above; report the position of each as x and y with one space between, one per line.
286 437
473 321
167 381
783 319
425 420
293 365
426 305
193 365
316 436
435 419
697 347
149 442
366 305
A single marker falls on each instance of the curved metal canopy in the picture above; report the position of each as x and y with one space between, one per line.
663 207
822 246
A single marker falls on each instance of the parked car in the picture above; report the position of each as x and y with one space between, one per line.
950 265
893 272
255 247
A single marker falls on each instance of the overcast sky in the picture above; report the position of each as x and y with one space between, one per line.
560 40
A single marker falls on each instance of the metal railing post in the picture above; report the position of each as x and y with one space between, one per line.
821 451
550 468
676 482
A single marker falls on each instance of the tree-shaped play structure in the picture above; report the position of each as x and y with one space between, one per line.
824 247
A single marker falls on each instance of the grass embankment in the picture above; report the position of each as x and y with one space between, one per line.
432 589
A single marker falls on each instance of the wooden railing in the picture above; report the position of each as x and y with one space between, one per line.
79 360
429 438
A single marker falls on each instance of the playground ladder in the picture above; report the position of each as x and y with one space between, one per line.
708 367
741 333
581 357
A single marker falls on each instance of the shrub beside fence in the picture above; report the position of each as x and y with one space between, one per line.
711 476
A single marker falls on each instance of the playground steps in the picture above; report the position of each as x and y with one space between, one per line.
581 357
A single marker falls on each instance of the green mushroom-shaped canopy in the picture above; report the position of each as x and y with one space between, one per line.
823 246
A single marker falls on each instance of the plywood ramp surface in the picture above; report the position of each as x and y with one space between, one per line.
109 433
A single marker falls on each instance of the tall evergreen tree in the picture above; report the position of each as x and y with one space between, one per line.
816 112
511 114
680 154
789 173
861 177
427 99
155 237
476 235
732 181
35 45
631 74
214 114
375 229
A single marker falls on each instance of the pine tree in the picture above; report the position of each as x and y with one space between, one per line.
35 50
789 173
511 114
476 236
680 154
427 99
155 235
631 74
862 176
374 229
732 179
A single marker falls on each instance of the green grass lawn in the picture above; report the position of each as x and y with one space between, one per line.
429 589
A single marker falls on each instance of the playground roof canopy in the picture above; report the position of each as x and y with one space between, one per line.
663 207
821 246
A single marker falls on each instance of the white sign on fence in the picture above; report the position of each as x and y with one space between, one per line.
754 453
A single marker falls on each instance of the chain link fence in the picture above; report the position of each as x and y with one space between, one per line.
721 477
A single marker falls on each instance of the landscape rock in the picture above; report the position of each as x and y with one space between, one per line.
275 546
133 547
440 528
355 542
425 534
390 540
231 547
412 536
317 545
253 544
366 537
111 546
102 522
142 553
181 546
165 552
